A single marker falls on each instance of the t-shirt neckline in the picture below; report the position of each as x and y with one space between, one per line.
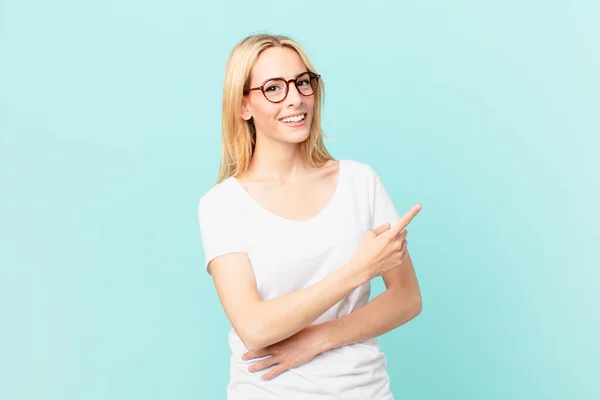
330 204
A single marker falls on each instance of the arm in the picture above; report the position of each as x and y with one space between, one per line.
261 323
398 304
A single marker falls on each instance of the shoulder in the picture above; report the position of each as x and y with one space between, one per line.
217 200
359 171
364 178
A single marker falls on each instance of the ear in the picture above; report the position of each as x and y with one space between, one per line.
246 114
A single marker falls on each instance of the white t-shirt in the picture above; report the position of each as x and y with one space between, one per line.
288 255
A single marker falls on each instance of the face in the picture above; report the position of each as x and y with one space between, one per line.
270 118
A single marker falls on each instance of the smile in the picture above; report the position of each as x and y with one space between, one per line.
294 119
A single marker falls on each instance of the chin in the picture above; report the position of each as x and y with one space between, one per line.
295 137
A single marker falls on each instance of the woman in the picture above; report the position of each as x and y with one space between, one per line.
293 237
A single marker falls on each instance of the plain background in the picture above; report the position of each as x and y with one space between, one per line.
484 112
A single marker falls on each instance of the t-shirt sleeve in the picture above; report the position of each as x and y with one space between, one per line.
219 232
382 207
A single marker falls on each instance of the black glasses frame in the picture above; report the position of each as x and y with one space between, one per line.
287 86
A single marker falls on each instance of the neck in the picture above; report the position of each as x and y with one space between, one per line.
275 160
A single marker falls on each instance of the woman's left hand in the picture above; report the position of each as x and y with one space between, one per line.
292 352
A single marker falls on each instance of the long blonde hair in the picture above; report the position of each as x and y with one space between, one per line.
239 136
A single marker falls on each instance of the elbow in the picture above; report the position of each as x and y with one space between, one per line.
417 305
252 337
251 343
254 330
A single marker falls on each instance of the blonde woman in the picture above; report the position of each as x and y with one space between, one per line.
292 239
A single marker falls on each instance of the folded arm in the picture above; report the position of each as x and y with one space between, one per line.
398 304
260 323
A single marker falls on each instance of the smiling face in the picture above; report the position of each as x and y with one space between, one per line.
271 120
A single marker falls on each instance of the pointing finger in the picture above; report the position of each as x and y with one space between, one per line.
406 218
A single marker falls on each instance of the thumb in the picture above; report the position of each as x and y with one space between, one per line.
381 228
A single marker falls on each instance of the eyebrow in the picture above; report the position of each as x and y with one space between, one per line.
280 77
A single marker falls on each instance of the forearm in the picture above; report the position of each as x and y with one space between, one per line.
279 318
392 308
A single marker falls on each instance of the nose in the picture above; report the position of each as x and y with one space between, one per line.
293 97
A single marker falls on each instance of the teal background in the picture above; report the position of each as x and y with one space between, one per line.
484 112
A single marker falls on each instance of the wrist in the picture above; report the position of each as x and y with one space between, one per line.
357 273
324 338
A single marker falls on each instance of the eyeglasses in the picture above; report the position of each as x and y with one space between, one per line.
276 89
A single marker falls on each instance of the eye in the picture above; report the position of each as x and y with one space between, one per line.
303 82
273 88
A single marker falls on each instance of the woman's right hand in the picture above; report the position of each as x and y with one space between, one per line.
383 248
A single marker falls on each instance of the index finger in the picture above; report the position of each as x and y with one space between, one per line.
406 218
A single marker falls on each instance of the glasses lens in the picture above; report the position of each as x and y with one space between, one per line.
307 84
275 89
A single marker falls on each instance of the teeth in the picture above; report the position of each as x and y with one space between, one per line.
297 118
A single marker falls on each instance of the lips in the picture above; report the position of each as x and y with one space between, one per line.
295 118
